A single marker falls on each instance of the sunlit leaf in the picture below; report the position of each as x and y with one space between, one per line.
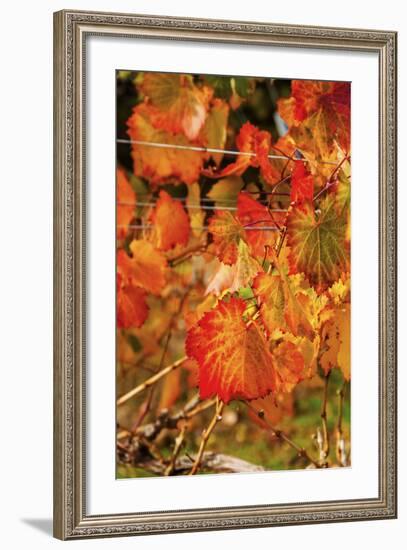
302 184
126 203
146 268
214 131
231 278
132 309
225 191
161 164
234 362
260 224
171 222
226 232
179 105
317 242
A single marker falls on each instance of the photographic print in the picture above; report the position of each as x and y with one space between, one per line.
232 274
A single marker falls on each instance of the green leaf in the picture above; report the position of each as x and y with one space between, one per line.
221 85
317 242
134 342
242 86
226 190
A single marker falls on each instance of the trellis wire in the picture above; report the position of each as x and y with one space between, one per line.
208 150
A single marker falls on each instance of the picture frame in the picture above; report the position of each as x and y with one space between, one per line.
72 30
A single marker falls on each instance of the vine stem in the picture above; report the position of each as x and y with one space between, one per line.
282 436
179 440
150 381
206 435
330 182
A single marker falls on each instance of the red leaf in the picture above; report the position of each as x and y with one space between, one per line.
234 360
132 309
302 184
256 218
257 142
330 99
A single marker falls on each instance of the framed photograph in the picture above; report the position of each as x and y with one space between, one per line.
225 274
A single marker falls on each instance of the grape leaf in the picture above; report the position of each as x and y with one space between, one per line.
343 320
317 242
226 232
132 309
335 328
256 142
290 365
274 407
231 278
196 214
281 305
171 222
160 165
330 101
214 131
260 226
225 191
126 203
179 106
302 184
234 361
269 292
146 268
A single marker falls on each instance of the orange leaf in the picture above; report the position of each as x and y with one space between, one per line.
226 232
335 334
171 222
126 199
270 295
275 408
257 142
146 268
260 226
161 164
234 360
132 309
178 105
290 365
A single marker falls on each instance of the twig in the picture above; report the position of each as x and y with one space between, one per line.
202 406
150 381
205 436
179 440
165 420
282 436
330 182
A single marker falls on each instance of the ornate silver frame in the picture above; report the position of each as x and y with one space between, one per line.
70 518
